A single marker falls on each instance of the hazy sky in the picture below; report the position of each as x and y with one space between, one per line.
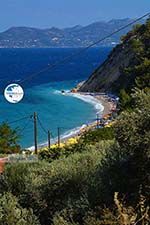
64 13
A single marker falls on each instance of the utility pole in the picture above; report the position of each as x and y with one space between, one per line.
35 132
49 139
58 130
97 119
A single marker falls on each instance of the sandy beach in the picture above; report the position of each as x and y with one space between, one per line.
103 107
106 106
103 99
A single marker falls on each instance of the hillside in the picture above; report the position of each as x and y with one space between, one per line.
77 36
126 64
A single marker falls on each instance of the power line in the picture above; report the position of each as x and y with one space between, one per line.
35 133
41 125
66 59
47 132
52 136
24 128
49 139
23 118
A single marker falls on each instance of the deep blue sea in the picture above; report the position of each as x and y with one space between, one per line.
43 92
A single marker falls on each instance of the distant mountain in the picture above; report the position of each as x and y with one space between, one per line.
77 36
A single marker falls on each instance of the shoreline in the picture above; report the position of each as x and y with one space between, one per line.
107 106
101 99
102 103
107 103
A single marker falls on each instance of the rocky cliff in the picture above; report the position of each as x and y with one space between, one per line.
104 77
127 65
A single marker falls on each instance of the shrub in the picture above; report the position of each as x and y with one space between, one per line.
125 167
17 177
11 213
51 188
92 137
84 142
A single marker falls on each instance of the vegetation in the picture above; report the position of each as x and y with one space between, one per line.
84 142
8 140
137 74
101 184
11 213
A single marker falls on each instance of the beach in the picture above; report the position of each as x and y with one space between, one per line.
101 101
104 105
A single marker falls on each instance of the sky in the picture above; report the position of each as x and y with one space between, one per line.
67 13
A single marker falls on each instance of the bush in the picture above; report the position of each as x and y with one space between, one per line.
17 177
85 142
92 137
51 188
126 165
120 214
11 213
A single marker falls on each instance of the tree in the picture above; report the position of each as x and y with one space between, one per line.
8 139
125 99
133 135
125 168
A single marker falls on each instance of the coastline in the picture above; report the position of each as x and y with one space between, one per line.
103 100
106 103
103 106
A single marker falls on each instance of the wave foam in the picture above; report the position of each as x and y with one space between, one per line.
89 99
58 92
84 97
70 133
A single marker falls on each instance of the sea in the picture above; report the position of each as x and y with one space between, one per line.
42 92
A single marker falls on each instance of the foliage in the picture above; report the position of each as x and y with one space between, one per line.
84 142
125 99
50 154
74 189
8 140
126 166
93 136
137 74
121 214
11 213
3 155
60 152
132 128
50 188
16 177
133 136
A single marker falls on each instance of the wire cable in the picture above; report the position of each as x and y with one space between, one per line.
66 59
24 128
41 125
15 121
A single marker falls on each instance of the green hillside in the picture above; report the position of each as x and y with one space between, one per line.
127 66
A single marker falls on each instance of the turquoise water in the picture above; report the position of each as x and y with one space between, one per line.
43 94
53 108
